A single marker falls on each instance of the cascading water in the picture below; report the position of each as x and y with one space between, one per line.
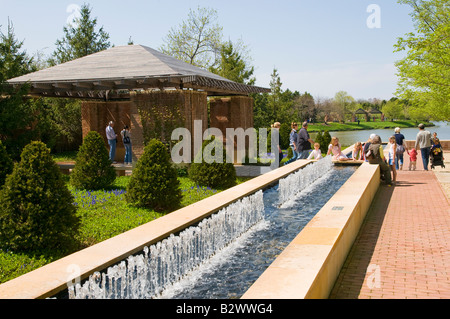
300 181
225 253
147 275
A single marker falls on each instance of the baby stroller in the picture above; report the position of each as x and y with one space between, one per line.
436 155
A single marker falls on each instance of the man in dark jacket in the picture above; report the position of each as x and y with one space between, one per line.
304 142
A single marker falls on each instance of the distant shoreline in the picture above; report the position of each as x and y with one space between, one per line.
353 126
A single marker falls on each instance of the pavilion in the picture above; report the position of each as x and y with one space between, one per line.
147 90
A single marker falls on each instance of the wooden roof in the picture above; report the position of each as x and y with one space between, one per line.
111 73
375 111
361 111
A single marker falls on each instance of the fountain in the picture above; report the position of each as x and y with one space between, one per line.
147 274
249 233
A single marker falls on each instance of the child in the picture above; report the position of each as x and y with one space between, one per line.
412 158
335 148
358 152
316 154
391 158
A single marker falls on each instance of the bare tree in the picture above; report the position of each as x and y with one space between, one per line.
197 40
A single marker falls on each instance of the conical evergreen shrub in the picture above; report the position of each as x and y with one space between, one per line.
212 172
6 164
326 138
36 207
154 183
93 168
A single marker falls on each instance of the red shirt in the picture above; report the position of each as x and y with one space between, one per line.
413 155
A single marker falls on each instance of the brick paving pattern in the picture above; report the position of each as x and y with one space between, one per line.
403 249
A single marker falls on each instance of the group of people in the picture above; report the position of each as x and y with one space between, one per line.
374 152
301 144
371 151
112 142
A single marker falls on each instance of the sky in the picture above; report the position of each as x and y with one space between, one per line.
317 46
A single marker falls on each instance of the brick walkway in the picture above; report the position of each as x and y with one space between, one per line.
403 249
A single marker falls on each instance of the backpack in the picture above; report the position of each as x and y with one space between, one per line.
126 138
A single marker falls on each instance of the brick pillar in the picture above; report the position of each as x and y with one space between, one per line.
233 112
155 114
96 116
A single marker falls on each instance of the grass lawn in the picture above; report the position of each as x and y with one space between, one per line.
353 126
104 214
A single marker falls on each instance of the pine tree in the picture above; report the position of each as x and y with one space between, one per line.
154 183
93 168
16 113
36 207
80 39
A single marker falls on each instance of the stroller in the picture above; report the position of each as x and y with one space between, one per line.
436 155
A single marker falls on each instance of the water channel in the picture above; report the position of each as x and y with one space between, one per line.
224 254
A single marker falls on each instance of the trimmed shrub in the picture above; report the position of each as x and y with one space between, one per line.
326 138
319 139
6 164
36 207
210 172
93 168
154 183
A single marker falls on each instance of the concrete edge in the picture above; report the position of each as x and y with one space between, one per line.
311 263
52 278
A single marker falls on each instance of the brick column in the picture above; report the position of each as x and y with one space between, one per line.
96 115
232 112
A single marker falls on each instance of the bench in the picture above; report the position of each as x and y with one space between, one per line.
66 168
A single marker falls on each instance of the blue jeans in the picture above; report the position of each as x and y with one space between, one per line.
128 157
294 156
304 154
112 149
398 158
425 157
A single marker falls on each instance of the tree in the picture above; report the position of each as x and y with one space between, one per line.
80 39
6 164
394 110
93 168
274 99
209 171
233 64
17 114
424 72
36 207
343 100
196 41
154 183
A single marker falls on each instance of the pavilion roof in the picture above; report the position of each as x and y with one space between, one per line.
375 111
114 71
361 111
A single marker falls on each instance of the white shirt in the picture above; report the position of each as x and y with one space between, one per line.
110 134
316 154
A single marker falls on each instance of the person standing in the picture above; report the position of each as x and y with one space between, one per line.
401 148
276 138
304 142
126 139
391 158
293 142
374 156
423 142
112 141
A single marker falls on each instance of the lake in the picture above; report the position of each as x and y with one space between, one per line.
348 138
